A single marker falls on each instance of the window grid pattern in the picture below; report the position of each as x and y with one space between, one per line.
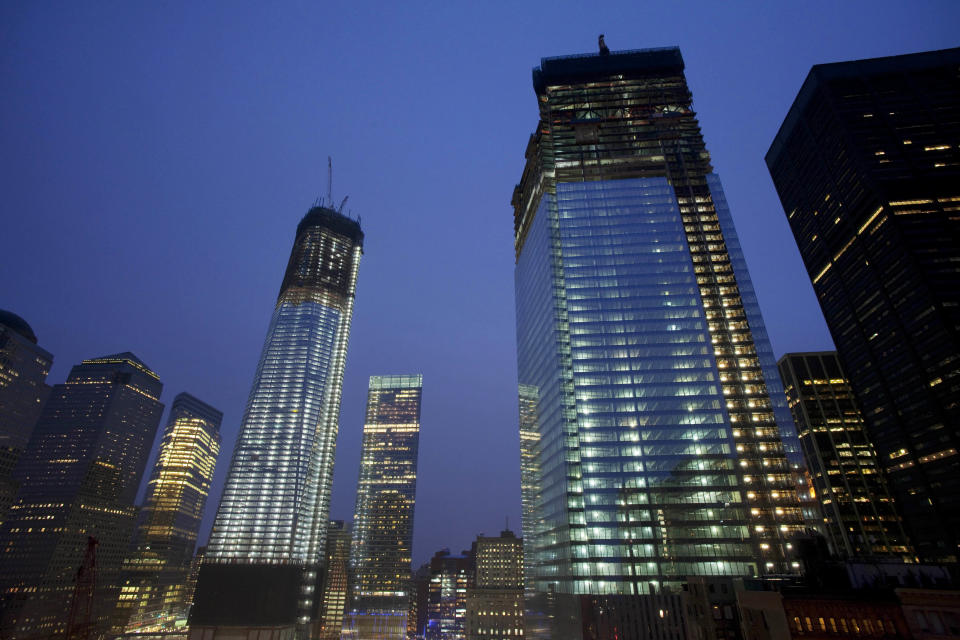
380 556
153 594
658 497
618 141
859 517
544 372
264 506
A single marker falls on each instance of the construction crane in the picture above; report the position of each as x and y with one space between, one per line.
81 622
330 180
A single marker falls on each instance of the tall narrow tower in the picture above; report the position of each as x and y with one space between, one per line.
261 563
153 595
383 519
663 444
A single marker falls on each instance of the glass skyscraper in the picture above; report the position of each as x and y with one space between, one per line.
78 479
153 596
380 561
664 446
268 539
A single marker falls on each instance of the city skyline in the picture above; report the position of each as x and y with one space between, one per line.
230 357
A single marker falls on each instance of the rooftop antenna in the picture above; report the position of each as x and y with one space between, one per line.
330 180
342 202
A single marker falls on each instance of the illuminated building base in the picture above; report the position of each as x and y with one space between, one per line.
375 625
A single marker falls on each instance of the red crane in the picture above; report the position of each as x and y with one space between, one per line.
81 621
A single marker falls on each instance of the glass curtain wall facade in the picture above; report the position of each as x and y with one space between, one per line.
380 557
271 525
78 479
529 467
156 572
867 167
859 515
664 445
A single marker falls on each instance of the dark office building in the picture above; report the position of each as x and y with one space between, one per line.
23 390
867 166
79 476
157 570
859 517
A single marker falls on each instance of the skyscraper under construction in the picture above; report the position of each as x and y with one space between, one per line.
662 443
261 568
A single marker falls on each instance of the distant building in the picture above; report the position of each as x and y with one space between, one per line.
495 605
419 603
335 581
380 561
23 390
712 608
860 519
79 477
854 615
867 167
263 562
191 587
659 616
530 479
156 572
930 614
450 578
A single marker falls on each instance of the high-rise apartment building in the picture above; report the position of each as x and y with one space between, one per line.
664 444
23 390
867 167
860 519
335 581
261 567
79 477
156 572
380 561
495 605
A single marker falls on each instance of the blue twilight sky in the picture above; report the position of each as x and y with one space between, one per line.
155 158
